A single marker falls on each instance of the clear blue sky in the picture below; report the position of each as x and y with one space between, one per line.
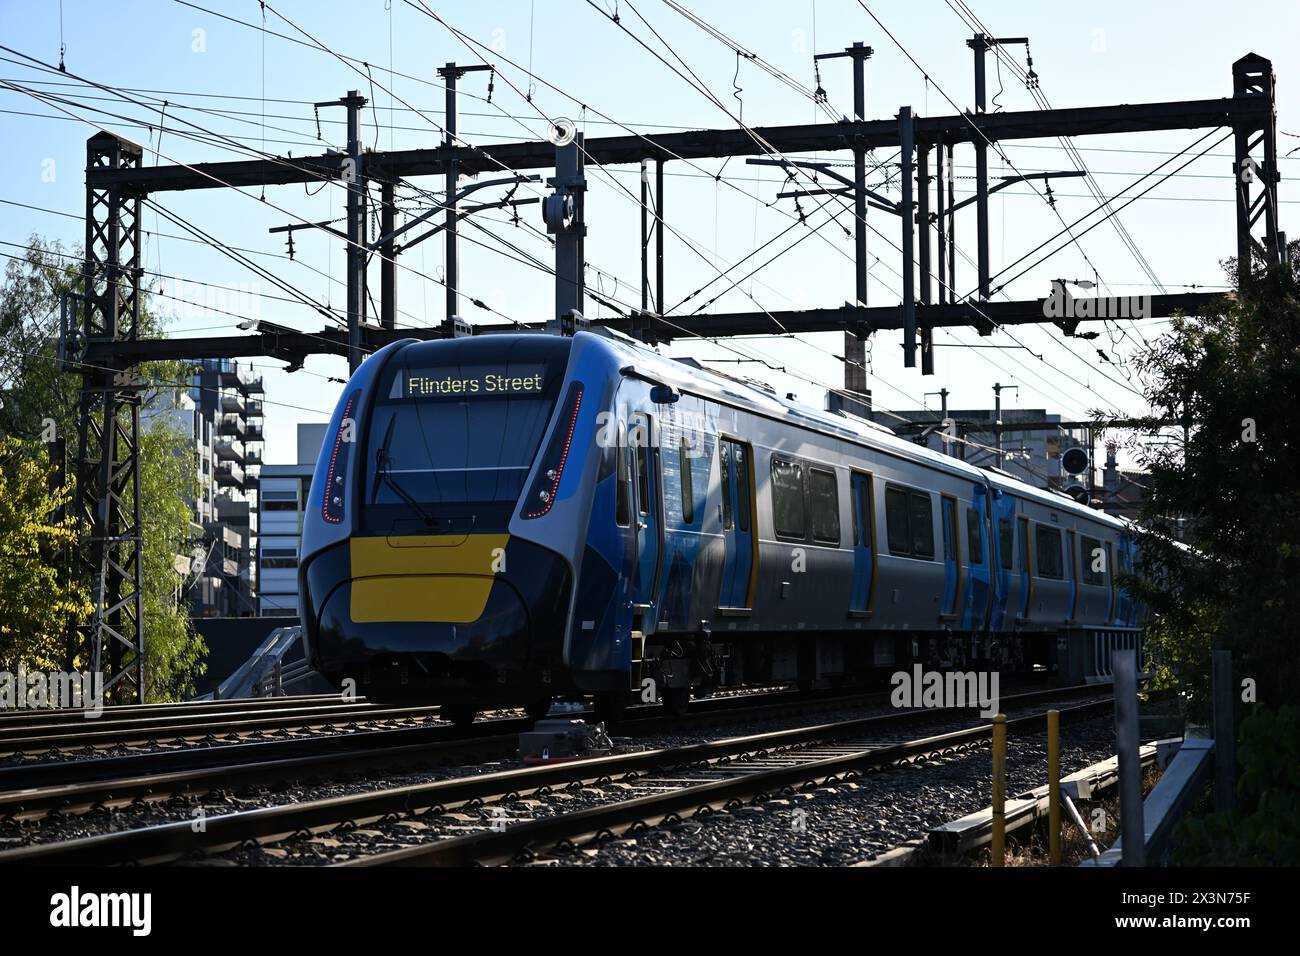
1099 53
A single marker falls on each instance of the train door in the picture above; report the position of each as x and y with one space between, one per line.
647 526
1072 547
1002 521
979 557
1026 568
739 535
951 557
864 544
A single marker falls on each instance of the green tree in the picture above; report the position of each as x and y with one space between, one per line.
1223 567
37 396
37 600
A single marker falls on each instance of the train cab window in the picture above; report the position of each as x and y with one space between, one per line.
622 488
1092 558
975 536
787 499
1047 542
824 503
1006 544
687 485
909 519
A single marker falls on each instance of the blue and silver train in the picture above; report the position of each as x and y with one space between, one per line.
508 518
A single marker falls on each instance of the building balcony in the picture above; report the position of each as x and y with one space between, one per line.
231 374
252 433
223 534
232 403
228 473
253 408
232 425
253 456
228 451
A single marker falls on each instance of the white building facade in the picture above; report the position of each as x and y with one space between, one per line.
284 490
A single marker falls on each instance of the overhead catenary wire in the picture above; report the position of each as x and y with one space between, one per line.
698 84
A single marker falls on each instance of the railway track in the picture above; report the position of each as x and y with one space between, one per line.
740 767
32 791
185 727
51 732
110 712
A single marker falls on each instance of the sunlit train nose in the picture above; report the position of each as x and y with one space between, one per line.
403 613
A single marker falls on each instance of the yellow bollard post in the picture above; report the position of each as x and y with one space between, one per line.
1054 785
998 851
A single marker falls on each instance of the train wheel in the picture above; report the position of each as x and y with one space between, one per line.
677 700
611 707
462 715
538 709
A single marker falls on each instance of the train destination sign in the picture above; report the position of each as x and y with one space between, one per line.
470 381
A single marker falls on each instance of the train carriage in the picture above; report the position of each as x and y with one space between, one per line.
508 518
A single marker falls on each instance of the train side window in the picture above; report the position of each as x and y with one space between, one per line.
1048 543
900 538
787 499
623 478
742 487
724 468
1024 545
1091 556
921 520
824 501
1006 544
975 536
687 485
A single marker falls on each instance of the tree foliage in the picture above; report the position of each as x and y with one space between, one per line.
37 600
38 398
1223 566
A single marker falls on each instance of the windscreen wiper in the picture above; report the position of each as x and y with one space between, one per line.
383 474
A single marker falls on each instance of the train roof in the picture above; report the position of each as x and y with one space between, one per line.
699 379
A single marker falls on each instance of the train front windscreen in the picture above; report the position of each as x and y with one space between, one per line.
454 430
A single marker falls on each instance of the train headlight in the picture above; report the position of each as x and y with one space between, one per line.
333 507
555 456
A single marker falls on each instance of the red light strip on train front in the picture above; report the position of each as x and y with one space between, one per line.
334 456
564 456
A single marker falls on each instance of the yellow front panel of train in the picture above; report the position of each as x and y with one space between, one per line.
415 578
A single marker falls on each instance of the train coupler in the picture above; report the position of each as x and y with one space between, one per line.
559 737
